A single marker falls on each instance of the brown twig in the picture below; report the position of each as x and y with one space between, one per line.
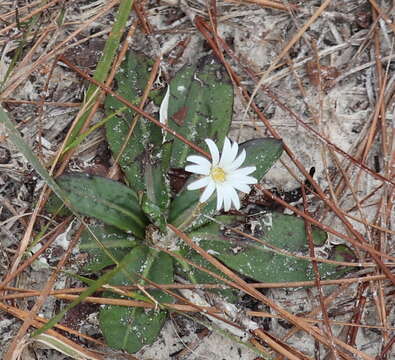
39 321
269 4
317 276
22 293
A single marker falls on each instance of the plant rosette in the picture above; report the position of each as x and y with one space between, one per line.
135 214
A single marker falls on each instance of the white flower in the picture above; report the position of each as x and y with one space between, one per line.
222 174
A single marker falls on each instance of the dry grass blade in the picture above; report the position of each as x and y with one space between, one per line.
18 270
39 302
18 78
23 293
137 303
67 348
37 323
27 17
382 14
270 4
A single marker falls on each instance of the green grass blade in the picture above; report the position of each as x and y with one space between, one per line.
104 66
80 138
104 279
20 143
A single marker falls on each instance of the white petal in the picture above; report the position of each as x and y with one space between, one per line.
163 110
234 197
227 145
225 152
229 157
241 180
227 200
237 162
241 187
197 169
200 160
213 151
235 150
220 196
199 183
208 191
244 171
249 180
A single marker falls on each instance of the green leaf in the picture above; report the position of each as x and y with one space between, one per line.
338 253
105 199
161 272
200 106
151 264
93 287
200 277
135 260
142 158
286 231
255 260
117 242
262 153
131 328
156 200
56 206
186 212
155 214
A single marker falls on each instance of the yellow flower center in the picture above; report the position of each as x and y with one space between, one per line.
218 174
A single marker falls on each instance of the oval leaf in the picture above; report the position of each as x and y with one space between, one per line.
141 159
117 243
128 328
105 199
256 261
200 106
262 153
